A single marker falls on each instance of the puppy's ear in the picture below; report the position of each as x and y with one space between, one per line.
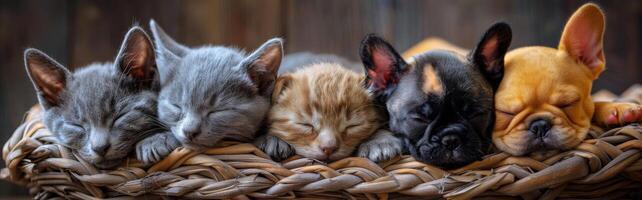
263 64
383 65
583 37
136 58
489 53
168 51
48 77
282 82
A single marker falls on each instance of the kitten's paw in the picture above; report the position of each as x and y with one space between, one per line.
276 148
153 149
382 148
608 114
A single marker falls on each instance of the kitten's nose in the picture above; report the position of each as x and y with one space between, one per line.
190 132
328 150
100 149
451 141
540 127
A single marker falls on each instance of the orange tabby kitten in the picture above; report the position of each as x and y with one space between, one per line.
324 111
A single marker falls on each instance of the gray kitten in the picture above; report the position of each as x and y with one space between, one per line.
101 110
210 93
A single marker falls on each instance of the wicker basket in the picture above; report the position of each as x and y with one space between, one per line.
607 164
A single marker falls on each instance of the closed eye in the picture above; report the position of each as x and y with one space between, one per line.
566 105
505 112
172 107
220 111
419 119
476 114
306 125
74 128
309 128
351 126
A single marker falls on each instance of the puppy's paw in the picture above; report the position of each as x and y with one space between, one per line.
383 146
609 114
274 147
154 148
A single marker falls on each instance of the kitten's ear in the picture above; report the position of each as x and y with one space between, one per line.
583 38
263 64
168 51
136 58
282 82
383 65
164 41
489 53
48 77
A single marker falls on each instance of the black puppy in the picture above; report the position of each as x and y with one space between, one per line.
441 103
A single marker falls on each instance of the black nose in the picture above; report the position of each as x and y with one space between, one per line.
540 127
451 141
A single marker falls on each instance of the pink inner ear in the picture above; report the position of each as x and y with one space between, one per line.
584 44
137 64
137 59
383 69
583 41
489 49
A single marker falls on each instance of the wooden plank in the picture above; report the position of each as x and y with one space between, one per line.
335 26
98 27
241 23
29 23
621 44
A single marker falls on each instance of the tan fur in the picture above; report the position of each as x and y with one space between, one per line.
330 98
432 82
430 44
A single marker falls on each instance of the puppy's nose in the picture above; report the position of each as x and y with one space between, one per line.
540 127
328 150
451 141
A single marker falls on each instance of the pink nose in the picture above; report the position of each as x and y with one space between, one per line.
328 150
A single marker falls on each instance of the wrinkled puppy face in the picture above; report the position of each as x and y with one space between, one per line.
323 111
544 101
442 103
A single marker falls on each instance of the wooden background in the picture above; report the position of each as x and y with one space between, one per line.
78 32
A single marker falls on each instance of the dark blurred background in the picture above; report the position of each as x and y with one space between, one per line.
79 32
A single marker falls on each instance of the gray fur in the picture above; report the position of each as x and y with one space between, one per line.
381 146
210 93
102 110
275 147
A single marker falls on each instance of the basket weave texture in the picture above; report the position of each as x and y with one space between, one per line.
606 164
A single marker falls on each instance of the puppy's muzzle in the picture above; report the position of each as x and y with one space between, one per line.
451 136
540 127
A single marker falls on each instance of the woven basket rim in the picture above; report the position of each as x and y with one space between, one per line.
237 170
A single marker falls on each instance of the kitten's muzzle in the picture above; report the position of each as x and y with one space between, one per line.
191 127
190 133
329 150
100 149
